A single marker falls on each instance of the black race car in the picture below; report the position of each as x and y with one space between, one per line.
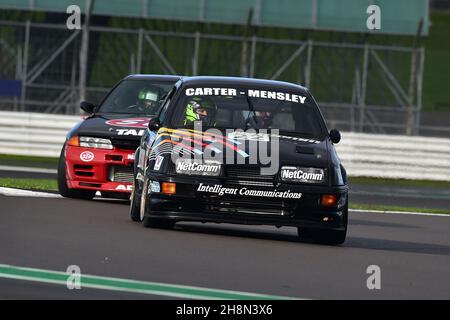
239 150
98 154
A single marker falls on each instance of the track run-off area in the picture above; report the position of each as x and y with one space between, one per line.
42 234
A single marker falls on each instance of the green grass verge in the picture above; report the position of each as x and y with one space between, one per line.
26 161
399 182
359 206
29 184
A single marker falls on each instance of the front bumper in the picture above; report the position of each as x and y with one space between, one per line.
190 205
100 172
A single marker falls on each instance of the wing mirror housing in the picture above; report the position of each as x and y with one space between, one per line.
87 107
154 124
335 136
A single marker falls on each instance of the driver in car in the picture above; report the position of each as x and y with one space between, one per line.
199 111
148 100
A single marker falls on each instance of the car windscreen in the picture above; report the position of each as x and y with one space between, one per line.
136 96
248 107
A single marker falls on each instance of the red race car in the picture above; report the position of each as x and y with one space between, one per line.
98 154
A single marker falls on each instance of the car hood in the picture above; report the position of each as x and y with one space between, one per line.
292 150
127 126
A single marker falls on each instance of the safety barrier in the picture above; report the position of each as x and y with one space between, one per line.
34 134
396 157
369 155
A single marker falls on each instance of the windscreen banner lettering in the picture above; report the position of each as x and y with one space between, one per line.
252 93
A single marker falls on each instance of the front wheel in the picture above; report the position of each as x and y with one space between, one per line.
135 205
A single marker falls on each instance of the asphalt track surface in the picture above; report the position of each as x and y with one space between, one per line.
413 252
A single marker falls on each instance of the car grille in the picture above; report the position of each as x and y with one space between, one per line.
84 170
251 206
125 143
121 173
247 175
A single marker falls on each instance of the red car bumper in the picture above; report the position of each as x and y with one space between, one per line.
99 169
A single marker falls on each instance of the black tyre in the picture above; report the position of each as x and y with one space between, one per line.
135 204
62 182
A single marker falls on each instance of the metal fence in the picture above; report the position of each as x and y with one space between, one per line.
360 87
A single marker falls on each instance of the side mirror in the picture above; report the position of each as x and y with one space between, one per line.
335 136
154 124
87 107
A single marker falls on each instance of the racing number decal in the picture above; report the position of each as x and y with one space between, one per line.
158 162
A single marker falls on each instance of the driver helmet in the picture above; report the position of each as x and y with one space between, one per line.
199 111
148 99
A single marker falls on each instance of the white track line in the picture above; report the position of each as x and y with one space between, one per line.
400 212
11 192
26 169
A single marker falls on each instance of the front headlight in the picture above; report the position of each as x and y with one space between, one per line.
98 143
302 175
196 168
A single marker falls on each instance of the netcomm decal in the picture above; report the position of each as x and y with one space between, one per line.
246 192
